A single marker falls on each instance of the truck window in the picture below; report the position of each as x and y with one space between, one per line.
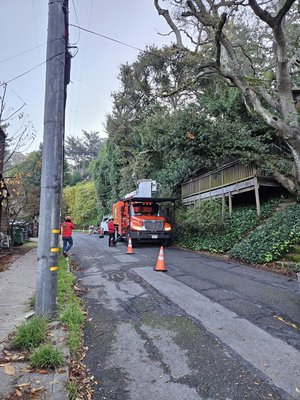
149 209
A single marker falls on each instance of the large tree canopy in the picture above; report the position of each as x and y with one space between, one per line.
81 150
254 46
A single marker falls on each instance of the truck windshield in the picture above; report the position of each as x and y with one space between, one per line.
142 209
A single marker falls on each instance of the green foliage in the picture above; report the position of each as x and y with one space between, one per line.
201 217
287 266
72 387
69 306
80 202
81 150
23 185
106 174
217 237
46 356
271 240
167 142
30 333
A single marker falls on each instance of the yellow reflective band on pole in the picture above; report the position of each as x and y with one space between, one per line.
54 268
55 230
55 250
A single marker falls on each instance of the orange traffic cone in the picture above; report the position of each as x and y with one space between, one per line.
160 265
130 248
101 235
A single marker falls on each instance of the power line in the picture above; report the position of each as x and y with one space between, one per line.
124 44
110 38
76 16
30 70
81 72
24 52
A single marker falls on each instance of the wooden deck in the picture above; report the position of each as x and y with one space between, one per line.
227 181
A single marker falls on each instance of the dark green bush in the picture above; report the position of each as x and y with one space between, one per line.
222 236
204 215
268 242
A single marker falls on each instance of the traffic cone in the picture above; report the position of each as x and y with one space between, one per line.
101 235
160 265
130 248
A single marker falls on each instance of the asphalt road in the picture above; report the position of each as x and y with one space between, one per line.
206 329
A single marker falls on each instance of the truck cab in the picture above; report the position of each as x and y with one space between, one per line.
141 219
138 215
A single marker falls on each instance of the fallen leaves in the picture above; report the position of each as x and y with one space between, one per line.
9 357
80 375
26 391
9 369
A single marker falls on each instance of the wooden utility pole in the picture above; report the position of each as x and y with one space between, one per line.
52 160
2 149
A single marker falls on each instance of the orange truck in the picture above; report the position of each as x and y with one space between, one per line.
138 215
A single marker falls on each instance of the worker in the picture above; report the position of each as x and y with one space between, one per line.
111 233
66 233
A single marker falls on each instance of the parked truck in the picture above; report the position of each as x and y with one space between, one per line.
139 215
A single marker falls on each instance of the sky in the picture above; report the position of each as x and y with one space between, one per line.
94 69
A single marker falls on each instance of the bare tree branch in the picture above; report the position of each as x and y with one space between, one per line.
167 17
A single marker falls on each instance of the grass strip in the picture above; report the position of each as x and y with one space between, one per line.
69 306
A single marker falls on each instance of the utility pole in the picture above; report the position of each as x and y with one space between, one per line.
52 159
2 149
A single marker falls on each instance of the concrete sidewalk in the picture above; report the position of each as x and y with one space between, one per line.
17 288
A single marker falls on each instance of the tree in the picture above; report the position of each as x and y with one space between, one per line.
19 130
81 150
23 185
80 202
106 174
150 137
264 66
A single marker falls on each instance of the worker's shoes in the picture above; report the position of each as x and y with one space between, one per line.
65 254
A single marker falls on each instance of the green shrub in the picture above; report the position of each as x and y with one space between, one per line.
46 356
204 215
221 237
268 242
30 333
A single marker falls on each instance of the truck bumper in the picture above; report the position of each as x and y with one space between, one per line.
144 235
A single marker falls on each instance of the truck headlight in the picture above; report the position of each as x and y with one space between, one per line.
137 227
167 227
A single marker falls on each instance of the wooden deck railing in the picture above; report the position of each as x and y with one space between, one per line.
226 175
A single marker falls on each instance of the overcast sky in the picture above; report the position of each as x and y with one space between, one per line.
94 69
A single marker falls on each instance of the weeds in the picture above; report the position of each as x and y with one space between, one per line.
30 333
46 356
69 307
73 390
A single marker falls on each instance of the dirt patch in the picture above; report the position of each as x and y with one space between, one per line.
7 257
